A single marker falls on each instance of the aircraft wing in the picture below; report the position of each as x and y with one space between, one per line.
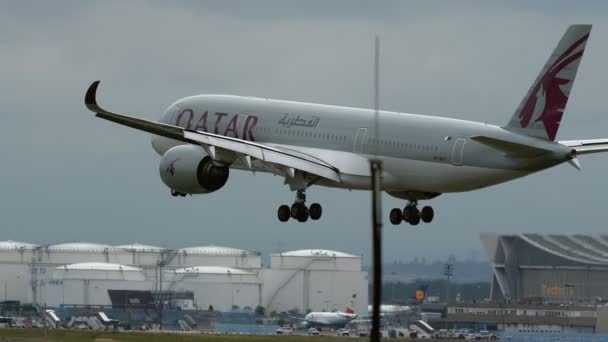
587 146
509 147
245 150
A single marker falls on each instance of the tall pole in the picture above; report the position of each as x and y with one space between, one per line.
376 174
448 271
44 321
376 94
376 168
161 264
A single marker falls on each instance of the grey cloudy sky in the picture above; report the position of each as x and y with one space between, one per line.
67 176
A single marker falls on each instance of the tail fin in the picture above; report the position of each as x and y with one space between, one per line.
540 112
420 294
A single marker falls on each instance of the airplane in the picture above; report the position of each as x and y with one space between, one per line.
201 138
390 309
335 320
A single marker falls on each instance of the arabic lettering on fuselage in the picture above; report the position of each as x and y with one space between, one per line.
289 120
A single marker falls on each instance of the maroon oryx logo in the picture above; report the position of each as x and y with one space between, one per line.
547 93
171 167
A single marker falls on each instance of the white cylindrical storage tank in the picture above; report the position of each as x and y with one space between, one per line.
142 255
222 287
16 276
88 283
217 256
318 259
78 252
314 279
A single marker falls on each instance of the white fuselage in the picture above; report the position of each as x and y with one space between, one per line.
421 154
334 319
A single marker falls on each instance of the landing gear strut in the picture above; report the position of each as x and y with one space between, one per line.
298 210
411 214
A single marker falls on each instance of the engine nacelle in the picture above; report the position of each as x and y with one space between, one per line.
188 169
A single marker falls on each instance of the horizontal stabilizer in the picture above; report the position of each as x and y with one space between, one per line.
587 146
510 148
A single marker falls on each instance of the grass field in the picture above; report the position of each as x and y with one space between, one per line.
101 336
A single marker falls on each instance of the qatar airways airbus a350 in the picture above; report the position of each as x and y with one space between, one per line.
200 138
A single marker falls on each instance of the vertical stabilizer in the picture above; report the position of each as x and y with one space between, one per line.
540 112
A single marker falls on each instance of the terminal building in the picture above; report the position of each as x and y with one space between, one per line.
547 283
90 274
525 318
548 268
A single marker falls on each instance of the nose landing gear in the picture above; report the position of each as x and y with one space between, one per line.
411 214
299 211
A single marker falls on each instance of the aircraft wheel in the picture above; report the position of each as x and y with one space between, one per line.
427 214
174 193
295 210
410 212
315 211
396 216
299 212
284 213
303 215
414 220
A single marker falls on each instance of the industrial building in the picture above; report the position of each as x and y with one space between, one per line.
548 268
525 318
90 274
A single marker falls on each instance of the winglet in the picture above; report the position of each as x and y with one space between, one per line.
90 98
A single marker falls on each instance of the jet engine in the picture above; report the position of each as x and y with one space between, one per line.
189 169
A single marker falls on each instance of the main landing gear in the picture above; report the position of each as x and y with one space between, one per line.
299 211
411 214
177 193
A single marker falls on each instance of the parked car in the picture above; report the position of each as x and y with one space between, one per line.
443 334
284 331
343 332
461 334
362 333
313 332
483 335
486 335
